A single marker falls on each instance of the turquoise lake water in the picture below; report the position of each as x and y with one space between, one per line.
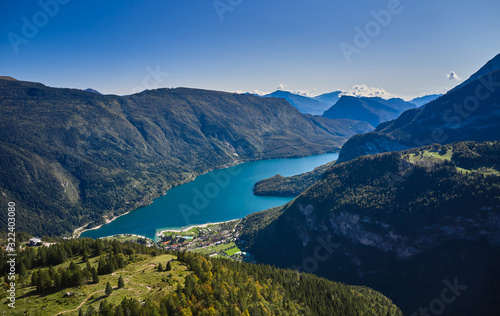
217 196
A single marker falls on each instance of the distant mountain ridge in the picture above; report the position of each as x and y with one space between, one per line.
372 110
421 101
468 112
8 78
304 104
329 98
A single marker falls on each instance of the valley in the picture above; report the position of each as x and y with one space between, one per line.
219 195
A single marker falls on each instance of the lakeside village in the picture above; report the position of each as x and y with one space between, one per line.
215 240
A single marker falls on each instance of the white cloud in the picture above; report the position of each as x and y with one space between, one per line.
365 91
304 93
257 92
453 76
282 87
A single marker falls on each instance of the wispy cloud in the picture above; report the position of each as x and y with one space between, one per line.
453 76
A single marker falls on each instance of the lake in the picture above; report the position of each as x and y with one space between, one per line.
217 196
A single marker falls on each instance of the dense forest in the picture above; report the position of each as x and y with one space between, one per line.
208 286
290 186
390 216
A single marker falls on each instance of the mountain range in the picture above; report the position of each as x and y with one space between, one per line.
421 101
410 209
304 104
470 111
372 110
337 105
70 157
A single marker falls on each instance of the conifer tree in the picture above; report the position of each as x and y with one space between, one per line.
95 276
121 283
109 289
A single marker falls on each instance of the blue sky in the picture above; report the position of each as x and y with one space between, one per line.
125 46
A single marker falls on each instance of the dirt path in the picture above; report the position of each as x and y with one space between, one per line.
81 304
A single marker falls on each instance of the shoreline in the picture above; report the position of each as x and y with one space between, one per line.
80 230
77 233
160 233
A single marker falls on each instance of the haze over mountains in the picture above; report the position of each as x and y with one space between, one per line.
421 101
329 98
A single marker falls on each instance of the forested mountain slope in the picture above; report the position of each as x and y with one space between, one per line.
108 278
385 220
